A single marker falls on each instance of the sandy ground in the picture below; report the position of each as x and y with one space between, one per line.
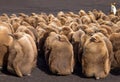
41 73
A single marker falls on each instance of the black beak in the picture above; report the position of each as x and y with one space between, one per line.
92 39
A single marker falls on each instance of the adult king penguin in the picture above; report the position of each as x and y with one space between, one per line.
113 8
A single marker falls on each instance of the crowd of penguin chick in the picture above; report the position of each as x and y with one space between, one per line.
90 38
